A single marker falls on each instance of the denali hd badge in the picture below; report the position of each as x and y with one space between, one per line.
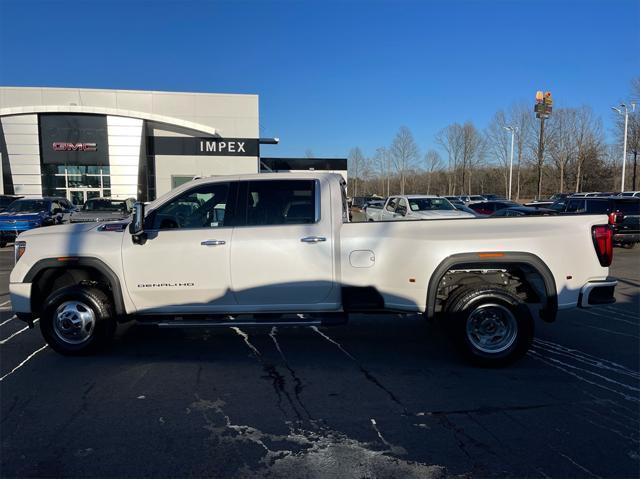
166 285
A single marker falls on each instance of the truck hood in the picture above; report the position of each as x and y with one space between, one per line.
95 216
68 229
439 214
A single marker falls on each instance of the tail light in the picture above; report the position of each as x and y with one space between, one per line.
603 243
615 217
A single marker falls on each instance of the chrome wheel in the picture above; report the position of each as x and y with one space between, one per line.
492 328
74 322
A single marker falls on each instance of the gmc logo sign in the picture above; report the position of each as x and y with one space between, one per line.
62 146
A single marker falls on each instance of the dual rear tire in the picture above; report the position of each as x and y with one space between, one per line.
490 325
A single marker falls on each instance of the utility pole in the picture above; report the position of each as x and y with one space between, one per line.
624 147
512 129
543 108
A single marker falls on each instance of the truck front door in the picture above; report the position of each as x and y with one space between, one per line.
184 264
282 253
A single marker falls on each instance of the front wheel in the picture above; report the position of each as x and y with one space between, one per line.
491 325
77 320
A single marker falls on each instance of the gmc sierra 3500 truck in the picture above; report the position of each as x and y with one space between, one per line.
278 246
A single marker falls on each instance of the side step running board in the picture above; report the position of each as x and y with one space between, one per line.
227 324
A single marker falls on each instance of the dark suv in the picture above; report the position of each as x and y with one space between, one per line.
624 214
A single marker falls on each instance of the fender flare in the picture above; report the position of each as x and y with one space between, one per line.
89 263
550 308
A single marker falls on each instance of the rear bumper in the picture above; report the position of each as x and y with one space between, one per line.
597 292
626 237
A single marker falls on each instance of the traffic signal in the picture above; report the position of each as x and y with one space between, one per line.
539 97
547 99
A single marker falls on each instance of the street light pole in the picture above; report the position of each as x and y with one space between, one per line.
624 143
512 129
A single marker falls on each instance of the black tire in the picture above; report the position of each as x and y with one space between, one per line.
85 301
3 243
472 313
628 245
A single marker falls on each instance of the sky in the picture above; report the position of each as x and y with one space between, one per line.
335 75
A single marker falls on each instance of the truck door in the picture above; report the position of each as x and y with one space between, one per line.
282 253
184 264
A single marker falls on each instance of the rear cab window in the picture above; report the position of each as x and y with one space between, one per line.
279 202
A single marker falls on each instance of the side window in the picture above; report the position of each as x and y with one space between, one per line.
391 205
280 202
597 206
574 206
200 207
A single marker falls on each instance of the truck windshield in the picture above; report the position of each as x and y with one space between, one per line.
427 204
102 204
28 206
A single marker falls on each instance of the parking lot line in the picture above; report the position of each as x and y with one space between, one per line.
23 362
6 302
7 320
17 332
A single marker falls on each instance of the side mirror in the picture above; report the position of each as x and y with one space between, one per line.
136 228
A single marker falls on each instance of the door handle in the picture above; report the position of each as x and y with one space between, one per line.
313 239
212 243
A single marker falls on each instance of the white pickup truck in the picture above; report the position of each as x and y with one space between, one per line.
416 207
279 248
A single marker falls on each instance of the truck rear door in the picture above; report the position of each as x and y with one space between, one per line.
282 248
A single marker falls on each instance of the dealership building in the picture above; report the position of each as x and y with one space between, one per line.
84 143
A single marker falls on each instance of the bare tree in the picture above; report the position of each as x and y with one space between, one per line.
499 146
588 139
433 163
404 152
472 151
561 141
308 153
450 139
356 164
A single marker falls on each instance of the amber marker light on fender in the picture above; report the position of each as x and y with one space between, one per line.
490 255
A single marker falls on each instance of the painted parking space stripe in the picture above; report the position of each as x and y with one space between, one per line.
23 362
16 333
7 320
6 302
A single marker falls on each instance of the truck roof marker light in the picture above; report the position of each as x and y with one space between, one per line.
412 280
490 255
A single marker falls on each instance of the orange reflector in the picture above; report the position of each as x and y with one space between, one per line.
490 255
412 280
67 258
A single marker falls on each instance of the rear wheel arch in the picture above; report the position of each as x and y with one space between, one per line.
49 275
523 261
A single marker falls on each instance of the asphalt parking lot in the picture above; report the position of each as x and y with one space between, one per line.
375 398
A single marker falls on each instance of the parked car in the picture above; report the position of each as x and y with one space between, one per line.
548 201
587 194
523 211
6 200
624 214
454 200
630 194
490 207
466 209
356 207
373 208
493 197
466 199
103 209
27 213
489 285
419 207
